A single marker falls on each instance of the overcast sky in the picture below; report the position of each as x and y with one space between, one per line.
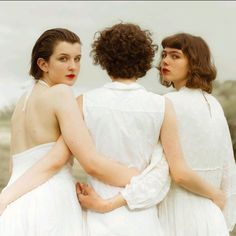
21 23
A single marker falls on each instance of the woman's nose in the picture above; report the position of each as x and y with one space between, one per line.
165 60
72 65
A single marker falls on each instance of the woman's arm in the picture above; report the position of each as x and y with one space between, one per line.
143 191
39 173
79 141
181 173
89 199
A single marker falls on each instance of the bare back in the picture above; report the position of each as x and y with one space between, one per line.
34 121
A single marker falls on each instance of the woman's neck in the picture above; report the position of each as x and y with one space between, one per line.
180 84
124 80
46 80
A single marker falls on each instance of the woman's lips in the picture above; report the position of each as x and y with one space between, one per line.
165 71
71 76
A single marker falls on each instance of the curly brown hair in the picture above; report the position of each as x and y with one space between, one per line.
124 50
202 70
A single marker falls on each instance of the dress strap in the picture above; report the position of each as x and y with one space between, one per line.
27 96
43 82
30 91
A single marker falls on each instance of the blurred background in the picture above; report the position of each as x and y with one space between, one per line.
21 23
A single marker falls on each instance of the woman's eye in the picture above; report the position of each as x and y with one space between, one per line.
77 59
62 59
163 55
174 56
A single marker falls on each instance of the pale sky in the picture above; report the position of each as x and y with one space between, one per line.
21 23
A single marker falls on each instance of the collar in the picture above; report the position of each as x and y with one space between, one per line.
123 86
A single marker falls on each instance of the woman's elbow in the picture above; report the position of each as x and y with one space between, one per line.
58 163
180 178
91 168
56 166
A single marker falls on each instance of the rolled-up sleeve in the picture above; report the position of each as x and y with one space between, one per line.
151 186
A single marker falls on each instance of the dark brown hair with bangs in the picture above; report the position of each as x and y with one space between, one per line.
202 70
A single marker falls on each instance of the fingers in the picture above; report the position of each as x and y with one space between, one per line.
78 188
83 199
88 189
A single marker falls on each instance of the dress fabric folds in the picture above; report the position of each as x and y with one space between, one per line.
125 121
52 209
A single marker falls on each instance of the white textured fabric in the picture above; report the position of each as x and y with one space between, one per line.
228 182
52 209
207 147
151 186
124 121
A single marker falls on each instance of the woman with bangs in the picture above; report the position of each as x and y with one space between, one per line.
207 149
186 65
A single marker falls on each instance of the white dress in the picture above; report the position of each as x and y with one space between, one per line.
124 121
207 147
51 209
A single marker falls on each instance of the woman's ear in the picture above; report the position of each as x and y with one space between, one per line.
43 65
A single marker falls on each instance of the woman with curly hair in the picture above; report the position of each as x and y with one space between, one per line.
124 121
127 123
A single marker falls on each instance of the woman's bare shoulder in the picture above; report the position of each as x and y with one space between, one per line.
60 92
60 88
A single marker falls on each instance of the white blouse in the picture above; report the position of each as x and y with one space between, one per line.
133 118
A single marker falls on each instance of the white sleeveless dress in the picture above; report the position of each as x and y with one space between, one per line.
52 209
124 121
207 147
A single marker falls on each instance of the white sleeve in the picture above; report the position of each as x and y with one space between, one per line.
151 186
228 183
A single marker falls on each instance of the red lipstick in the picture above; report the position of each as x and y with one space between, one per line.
71 76
165 71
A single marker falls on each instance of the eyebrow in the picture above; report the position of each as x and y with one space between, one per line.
173 51
65 54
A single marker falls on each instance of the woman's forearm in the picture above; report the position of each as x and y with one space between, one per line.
39 173
181 173
106 170
192 181
111 172
91 200
79 141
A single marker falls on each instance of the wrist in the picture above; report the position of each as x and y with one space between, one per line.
3 199
216 193
107 205
116 202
